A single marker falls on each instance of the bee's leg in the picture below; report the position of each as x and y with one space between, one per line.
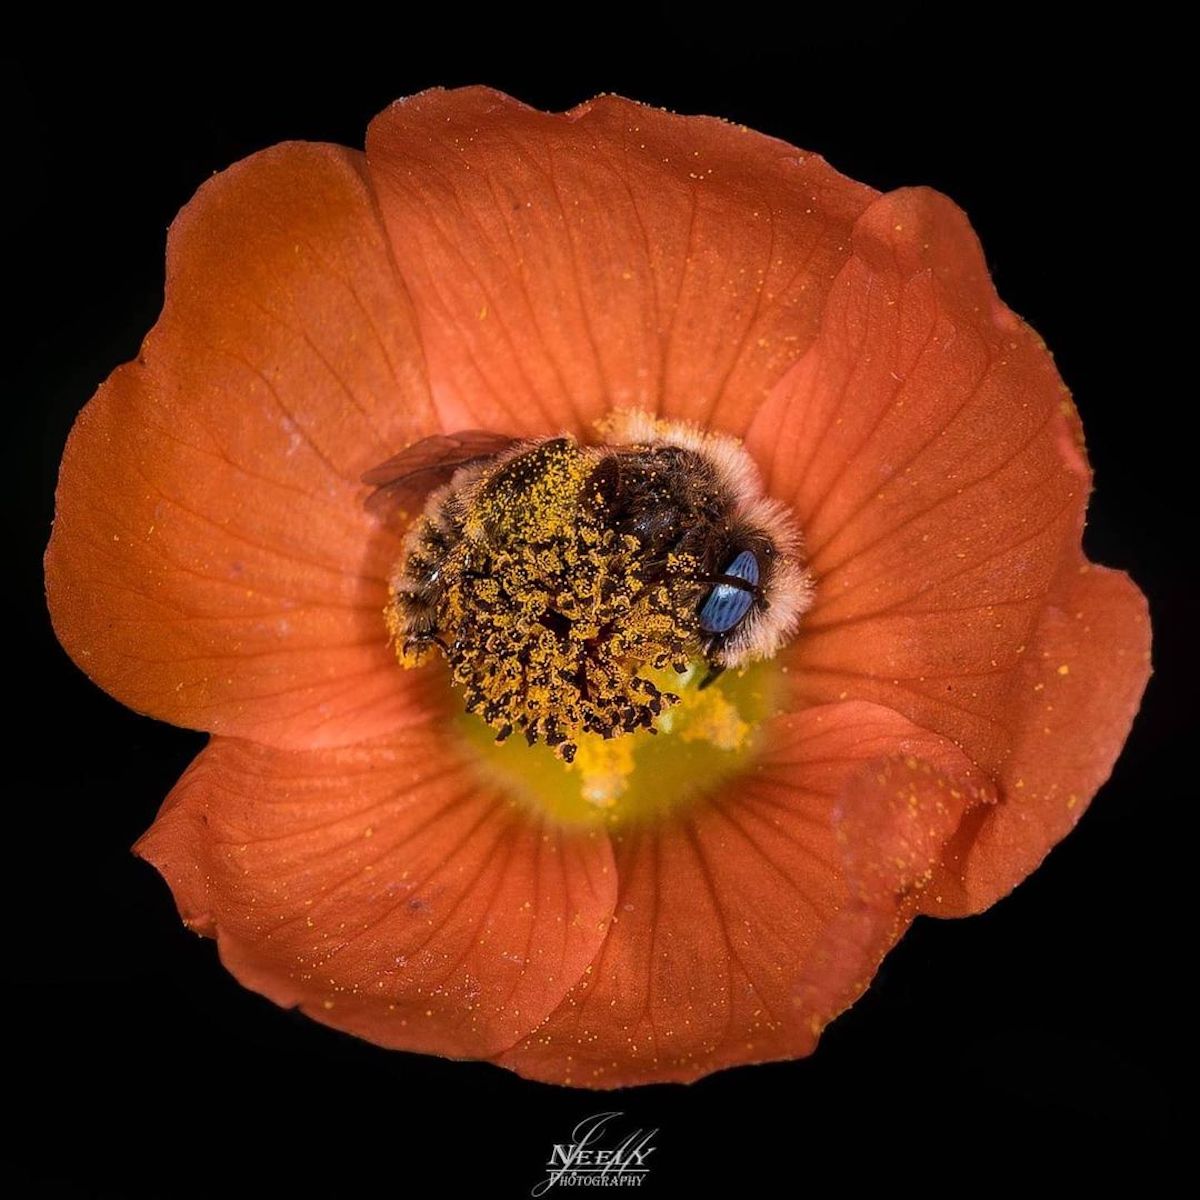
416 624
419 608
417 646
714 673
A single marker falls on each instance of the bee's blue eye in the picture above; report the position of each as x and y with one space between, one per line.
727 603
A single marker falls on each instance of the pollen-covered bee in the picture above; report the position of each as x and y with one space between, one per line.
555 576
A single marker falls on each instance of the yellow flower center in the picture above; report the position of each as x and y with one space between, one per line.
711 735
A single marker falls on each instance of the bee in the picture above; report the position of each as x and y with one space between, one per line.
555 575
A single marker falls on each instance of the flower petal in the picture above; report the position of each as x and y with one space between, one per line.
211 562
613 256
932 455
1068 712
382 890
936 464
745 925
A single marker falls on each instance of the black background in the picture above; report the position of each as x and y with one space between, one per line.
1047 1025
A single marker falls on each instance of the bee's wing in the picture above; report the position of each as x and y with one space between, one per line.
402 483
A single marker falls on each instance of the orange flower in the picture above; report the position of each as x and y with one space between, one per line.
955 695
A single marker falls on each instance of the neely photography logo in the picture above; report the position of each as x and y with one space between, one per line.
599 1156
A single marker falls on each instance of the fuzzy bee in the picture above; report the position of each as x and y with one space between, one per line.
551 573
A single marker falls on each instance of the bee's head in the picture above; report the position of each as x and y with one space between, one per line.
753 601
701 496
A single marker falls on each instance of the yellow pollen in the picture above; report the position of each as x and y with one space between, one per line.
714 719
604 766
704 740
